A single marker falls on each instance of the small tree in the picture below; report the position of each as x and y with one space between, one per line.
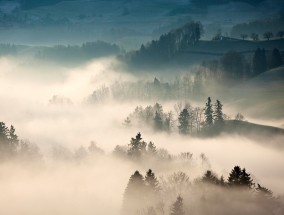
184 122
268 35
177 207
218 113
240 178
263 191
254 37
151 149
136 146
158 122
151 181
133 195
210 177
208 113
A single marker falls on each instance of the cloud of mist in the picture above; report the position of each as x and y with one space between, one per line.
96 186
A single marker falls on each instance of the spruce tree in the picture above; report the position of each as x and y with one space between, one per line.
177 207
151 149
133 195
136 146
218 113
208 113
184 122
151 181
240 178
158 122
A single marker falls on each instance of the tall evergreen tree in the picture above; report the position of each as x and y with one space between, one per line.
133 195
158 122
218 113
184 121
151 181
208 113
151 148
177 207
136 146
240 178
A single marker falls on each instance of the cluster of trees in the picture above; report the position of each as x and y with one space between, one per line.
233 68
188 119
150 196
264 27
86 51
12 147
266 35
168 45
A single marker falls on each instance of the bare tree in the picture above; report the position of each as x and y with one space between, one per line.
268 35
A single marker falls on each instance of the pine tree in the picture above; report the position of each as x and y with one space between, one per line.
151 181
264 192
133 195
240 178
218 113
210 177
259 62
208 113
151 148
177 207
158 122
184 122
136 146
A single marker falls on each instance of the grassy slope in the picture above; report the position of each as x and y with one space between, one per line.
261 96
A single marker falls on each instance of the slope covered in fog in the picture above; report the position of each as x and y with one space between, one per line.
262 96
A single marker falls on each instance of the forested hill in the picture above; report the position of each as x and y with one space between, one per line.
184 46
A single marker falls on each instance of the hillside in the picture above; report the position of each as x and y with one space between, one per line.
264 134
261 96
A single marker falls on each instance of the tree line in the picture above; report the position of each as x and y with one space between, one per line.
148 195
185 119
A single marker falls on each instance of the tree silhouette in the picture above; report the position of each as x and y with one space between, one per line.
264 192
133 195
210 177
158 122
183 122
136 146
240 178
208 113
151 149
268 35
254 37
177 207
151 182
218 113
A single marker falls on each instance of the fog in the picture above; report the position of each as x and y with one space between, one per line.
48 105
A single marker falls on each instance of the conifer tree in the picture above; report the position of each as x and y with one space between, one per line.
151 148
240 178
151 181
158 122
177 207
208 113
218 113
184 122
133 195
136 146
276 59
